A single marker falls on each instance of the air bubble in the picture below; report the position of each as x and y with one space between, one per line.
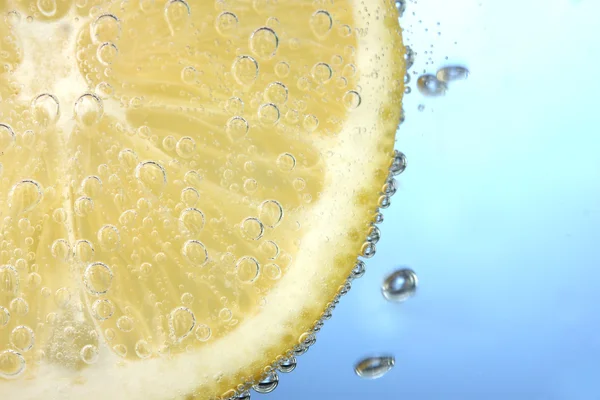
83 206
359 270
252 228
190 196
322 72
109 237
185 148
192 220
104 90
452 73
193 178
234 106
12 364
61 250
152 175
202 332
19 306
287 365
62 297
22 338
97 278
401 7
270 213
125 324
351 100
409 57
237 128
311 123
128 217
267 384
374 367
268 114
47 7
4 316
245 70
24 196
226 23
282 69
128 158
398 163
89 354
286 162
430 86
276 93
7 137
272 271
103 309
181 323
106 28
321 23
9 280
89 109
143 349
195 252
264 42
247 269
107 53
189 75
91 186
269 249
177 15
46 109
400 285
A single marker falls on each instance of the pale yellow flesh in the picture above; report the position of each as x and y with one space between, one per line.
152 166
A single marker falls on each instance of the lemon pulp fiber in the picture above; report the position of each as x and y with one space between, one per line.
184 186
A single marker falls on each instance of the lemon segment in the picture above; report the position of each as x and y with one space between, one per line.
184 186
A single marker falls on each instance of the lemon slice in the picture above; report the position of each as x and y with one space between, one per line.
184 186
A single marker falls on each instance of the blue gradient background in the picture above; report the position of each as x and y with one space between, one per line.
498 213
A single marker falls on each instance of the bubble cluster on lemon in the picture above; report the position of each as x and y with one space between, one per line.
184 185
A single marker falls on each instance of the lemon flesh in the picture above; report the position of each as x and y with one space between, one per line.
184 186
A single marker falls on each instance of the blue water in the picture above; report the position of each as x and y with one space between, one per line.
498 213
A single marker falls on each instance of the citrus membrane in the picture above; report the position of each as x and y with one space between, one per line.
184 186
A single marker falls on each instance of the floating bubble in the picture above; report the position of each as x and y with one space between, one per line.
22 338
195 252
398 163
269 249
374 367
401 7
91 186
245 70
177 15
237 128
9 280
12 364
61 250
351 100
106 28
286 162
189 75
24 196
19 306
46 109
186 147
104 90
430 86
252 228
47 7
103 309
128 158
83 206
125 323
62 297
270 213
268 114
226 23
89 354
272 271
83 250
7 137
109 237
452 73
409 57
282 69
235 106
107 53
311 123
97 278
192 220
202 332
181 323
276 93
152 175
400 285
359 270
264 42
89 109
143 349
247 269
321 23
4 316
190 196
